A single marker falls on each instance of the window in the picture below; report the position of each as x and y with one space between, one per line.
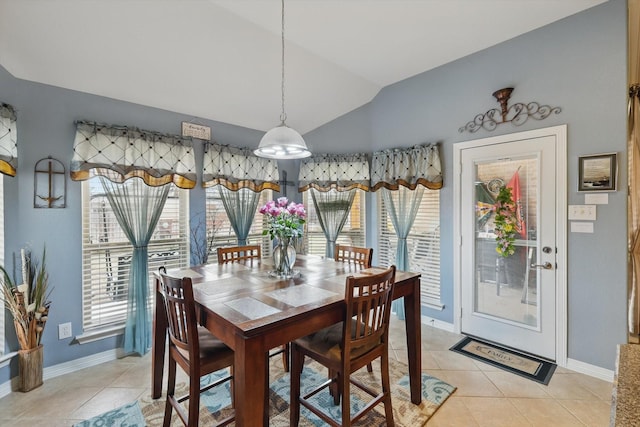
2 259
353 232
423 244
106 253
220 232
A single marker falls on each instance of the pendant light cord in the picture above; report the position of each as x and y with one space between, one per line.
283 115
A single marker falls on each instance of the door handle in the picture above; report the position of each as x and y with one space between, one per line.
546 266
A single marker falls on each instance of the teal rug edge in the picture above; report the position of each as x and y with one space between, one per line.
129 415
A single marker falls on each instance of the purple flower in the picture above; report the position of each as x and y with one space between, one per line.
283 202
274 210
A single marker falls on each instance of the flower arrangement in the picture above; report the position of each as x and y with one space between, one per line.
285 220
505 222
28 302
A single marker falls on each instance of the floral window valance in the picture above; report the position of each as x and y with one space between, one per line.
235 168
418 165
120 153
8 140
341 172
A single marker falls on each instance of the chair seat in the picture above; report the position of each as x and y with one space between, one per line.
328 342
210 346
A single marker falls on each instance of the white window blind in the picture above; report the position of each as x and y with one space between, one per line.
353 232
423 244
219 230
106 253
2 260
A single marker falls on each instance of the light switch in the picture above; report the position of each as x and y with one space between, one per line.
582 212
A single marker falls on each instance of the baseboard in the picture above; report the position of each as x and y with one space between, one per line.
66 368
445 326
591 370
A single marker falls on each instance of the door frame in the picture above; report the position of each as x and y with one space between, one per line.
560 134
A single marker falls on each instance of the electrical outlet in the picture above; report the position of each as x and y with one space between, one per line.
64 330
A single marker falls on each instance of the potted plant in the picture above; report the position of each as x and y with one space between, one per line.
28 303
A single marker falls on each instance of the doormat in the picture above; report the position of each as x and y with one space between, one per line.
518 363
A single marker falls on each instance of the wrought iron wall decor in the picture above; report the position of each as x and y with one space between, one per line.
517 114
49 184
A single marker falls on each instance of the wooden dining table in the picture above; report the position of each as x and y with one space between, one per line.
252 312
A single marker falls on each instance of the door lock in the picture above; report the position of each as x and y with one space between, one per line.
546 266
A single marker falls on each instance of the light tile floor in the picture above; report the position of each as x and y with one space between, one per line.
486 396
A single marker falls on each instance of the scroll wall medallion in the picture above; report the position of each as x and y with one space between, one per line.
517 114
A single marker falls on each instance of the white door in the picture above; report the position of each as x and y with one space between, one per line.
511 298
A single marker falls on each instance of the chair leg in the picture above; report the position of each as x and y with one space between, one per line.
194 398
286 351
386 389
297 360
369 367
343 381
334 387
171 389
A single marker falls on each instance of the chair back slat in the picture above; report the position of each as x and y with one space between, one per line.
177 294
368 304
239 253
354 255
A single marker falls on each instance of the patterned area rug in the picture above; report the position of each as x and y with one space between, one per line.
215 404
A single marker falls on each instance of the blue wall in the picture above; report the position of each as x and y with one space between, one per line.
578 63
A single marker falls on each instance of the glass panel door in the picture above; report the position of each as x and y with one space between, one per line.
505 285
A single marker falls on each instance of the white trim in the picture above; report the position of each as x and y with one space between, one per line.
5 359
100 334
66 368
81 363
591 370
439 324
560 133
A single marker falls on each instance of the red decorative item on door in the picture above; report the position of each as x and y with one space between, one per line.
514 185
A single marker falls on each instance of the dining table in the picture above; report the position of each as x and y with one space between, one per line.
252 311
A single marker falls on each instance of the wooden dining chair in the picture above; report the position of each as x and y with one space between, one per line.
348 346
251 252
192 347
239 253
354 255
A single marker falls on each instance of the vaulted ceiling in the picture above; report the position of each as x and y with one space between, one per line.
221 59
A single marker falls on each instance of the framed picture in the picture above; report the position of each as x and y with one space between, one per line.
598 172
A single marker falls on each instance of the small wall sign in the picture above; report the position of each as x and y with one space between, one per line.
196 131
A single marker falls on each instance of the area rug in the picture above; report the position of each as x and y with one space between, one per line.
525 365
215 404
128 415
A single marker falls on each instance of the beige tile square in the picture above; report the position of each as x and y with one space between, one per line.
512 385
453 413
545 413
591 413
60 404
602 389
452 361
469 383
494 412
569 386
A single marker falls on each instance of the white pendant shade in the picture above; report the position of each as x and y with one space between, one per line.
282 142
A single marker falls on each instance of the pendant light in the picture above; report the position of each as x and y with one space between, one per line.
282 142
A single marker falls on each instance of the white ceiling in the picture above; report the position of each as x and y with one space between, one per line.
220 59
